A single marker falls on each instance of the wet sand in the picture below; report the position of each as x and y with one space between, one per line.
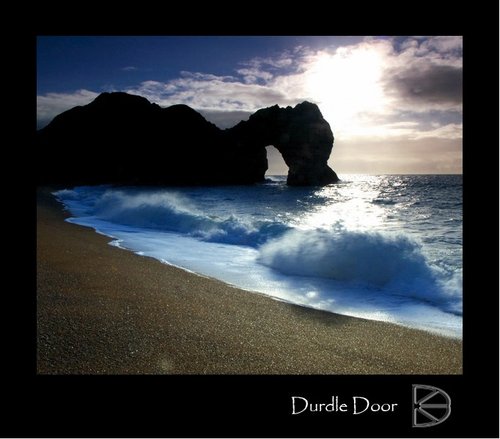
104 310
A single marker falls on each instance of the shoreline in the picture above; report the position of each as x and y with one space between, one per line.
103 309
278 299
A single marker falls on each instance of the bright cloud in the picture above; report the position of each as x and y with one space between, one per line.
252 75
210 92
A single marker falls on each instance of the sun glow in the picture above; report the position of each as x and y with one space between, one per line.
346 85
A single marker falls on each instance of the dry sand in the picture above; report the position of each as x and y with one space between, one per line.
104 310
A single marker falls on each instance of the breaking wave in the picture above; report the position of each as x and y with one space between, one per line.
380 260
170 211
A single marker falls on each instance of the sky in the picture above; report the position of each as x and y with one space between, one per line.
394 103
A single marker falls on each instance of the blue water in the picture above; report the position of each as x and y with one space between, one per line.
379 247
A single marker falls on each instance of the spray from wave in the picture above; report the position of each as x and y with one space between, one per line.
380 260
170 211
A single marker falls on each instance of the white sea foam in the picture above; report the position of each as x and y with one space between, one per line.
372 259
171 211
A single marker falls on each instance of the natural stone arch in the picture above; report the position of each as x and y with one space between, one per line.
300 134
178 146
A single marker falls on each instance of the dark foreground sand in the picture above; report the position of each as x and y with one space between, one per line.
103 310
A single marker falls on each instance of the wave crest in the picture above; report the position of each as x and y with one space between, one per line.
170 211
371 258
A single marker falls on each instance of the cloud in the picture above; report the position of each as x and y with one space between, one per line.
430 85
451 131
423 46
51 104
444 47
211 92
425 74
128 68
444 44
287 59
252 75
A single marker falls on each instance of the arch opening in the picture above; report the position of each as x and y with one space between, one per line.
275 163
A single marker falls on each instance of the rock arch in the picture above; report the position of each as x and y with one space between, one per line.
300 134
124 139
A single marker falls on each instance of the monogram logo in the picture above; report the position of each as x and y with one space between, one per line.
431 406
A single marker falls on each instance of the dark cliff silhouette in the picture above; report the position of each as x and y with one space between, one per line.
124 139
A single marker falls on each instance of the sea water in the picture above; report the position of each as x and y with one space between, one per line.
385 247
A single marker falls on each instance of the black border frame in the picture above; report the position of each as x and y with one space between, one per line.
259 406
